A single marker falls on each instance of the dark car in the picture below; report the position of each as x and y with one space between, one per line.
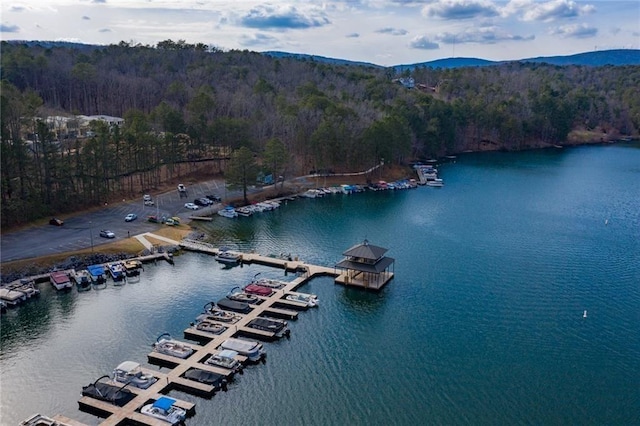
214 198
202 202
56 222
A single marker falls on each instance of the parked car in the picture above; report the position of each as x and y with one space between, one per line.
181 187
56 222
214 198
107 234
147 197
191 206
153 219
149 203
202 202
130 217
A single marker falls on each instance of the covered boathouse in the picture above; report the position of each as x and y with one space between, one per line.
365 266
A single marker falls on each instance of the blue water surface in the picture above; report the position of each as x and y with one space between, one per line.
482 324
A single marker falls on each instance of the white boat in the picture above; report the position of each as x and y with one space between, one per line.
26 287
311 300
229 212
210 327
82 279
60 280
164 408
165 345
225 256
225 359
40 420
435 182
12 298
251 349
116 270
240 296
131 373
245 211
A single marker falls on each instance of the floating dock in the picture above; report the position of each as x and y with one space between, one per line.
276 305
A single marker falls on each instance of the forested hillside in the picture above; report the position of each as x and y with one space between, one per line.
184 105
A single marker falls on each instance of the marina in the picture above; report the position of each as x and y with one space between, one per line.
224 320
480 303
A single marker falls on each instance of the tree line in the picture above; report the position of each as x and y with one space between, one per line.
191 108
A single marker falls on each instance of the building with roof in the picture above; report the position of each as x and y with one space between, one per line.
365 265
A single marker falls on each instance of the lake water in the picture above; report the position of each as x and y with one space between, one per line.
482 324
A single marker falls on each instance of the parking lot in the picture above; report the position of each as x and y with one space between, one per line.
82 231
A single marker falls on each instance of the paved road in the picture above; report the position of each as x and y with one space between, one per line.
82 231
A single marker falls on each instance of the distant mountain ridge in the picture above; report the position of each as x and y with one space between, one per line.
616 57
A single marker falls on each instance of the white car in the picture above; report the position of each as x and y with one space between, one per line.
191 206
181 187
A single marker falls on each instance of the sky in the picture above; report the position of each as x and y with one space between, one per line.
383 32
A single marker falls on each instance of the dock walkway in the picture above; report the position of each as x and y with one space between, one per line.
274 305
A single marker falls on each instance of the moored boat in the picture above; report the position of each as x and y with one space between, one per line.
114 394
225 256
240 296
165 345
132 267
210 326
213 313
12 298
116 270
254 351
258 290
82 278
164 408
234 306
311 300
130 372
217 380
229 212
97 274
60 280
226 359
278 327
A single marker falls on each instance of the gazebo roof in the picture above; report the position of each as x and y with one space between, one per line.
377 267
365 251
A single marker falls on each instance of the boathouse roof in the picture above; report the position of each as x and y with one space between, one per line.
365 251
376 268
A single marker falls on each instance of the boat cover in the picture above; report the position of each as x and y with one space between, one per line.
258 289
128 366
164 403
228 353
110 393
234 305
267 324
95 270
203 376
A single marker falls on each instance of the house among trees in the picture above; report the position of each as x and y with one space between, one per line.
78 126
365 265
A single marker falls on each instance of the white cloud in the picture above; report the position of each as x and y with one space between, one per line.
423 42
555 10
575 30
282 17
460 9
483 35
392 31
